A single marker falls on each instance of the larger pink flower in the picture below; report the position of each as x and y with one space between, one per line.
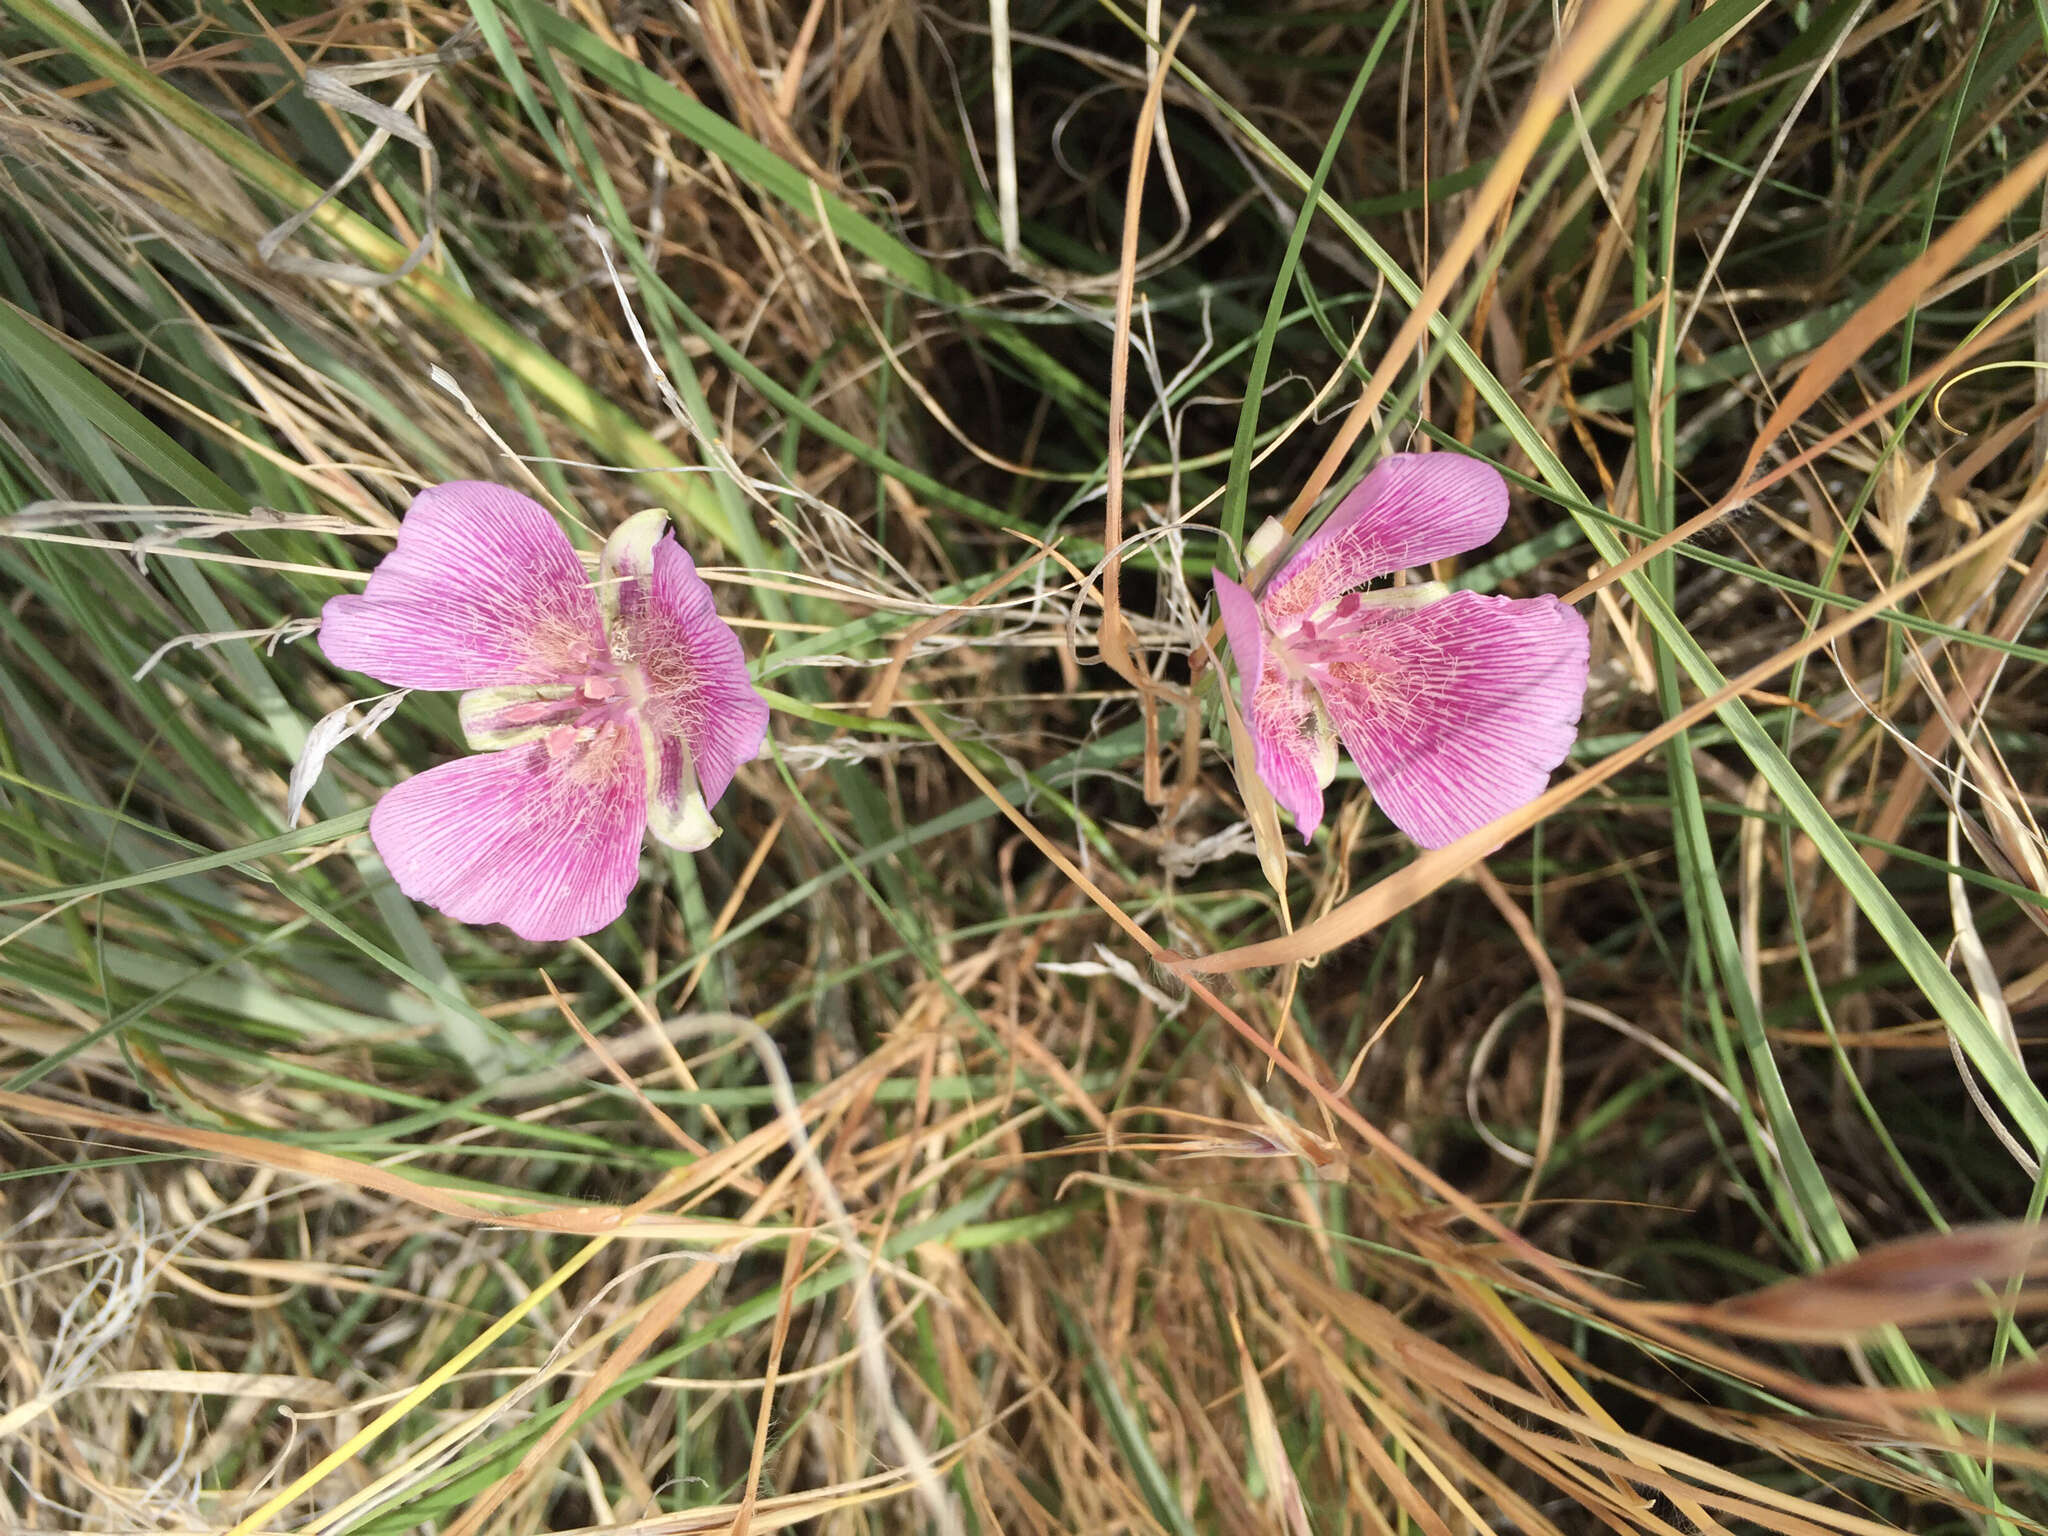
602 711
1454 705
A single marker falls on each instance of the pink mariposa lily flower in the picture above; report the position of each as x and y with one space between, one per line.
1454 705
601 711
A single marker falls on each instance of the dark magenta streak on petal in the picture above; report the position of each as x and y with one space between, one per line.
694 672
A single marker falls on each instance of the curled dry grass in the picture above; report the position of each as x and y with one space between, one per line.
322 1216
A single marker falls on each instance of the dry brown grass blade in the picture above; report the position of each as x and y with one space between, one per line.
662 1315
1283 1489
1599 28
756 857
722 39
1907 792
778 1513
1484 1298
1891 303
1546 1365
1437 867
310 1163
661 1117
1045 845
1113 635
764 1418
654 1324
1332 1373
1408 1403
1942 1276
1747 489
1465 1386
1553 1019
881 697
2019 1392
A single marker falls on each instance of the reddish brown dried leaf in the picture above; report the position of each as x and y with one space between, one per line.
1964 1273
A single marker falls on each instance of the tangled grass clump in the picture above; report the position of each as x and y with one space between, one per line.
1002 1127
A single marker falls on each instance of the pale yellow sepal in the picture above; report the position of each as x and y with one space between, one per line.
690 829
687 826
1272 533
1418 594
628 556
1326 748
476 708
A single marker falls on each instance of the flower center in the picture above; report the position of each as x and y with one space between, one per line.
1282 648
611 690
1351 631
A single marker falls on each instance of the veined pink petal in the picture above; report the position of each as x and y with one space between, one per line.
543 838
483 589
1410 509
699 708
1294 753
1457 712
1247 636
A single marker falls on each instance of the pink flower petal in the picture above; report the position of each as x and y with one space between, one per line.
1247 636
1295 754
1410 509
543 838
698 694
1456 713
483 589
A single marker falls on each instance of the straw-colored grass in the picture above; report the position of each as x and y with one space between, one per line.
1007 1126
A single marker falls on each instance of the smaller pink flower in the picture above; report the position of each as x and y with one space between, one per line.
1454 705
600 711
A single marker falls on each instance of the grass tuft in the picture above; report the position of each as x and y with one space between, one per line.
1007 1126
